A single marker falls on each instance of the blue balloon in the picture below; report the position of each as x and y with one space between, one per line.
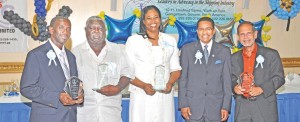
187 33
258 26
119 30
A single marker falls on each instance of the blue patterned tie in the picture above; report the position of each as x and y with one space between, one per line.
206 53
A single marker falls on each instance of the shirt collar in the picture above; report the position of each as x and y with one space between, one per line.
209 45
160 40
103 51
56 49
253 51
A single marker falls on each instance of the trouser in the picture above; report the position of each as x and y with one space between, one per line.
202 119
249 112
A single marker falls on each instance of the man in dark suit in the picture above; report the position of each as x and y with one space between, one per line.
205 83
257 103
47 67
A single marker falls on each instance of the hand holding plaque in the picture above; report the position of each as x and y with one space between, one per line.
168 88
159 78
73 87
102 76
247 81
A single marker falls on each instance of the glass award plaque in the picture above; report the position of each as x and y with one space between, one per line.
72 87
159 78
102 76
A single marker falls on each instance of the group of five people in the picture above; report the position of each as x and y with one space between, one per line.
208 75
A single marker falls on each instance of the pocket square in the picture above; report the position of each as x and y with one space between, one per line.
218 62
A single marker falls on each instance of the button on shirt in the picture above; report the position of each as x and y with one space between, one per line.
249 61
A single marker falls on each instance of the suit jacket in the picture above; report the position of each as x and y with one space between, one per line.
269 78
43 84
205 88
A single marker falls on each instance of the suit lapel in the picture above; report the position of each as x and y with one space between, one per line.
259 52
241 62
214 50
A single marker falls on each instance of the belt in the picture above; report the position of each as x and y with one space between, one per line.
249 98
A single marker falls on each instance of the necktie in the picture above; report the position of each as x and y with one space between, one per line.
206 53
64 65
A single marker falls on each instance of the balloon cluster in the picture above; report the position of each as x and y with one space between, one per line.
286 4
65 11
237 16
285 13
38 30
266 28
172 20
41 29
137 12
285 9
40 9
18 22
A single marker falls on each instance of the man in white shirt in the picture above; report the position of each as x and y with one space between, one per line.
104 70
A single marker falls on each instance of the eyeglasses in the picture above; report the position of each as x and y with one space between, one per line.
205 29
246 34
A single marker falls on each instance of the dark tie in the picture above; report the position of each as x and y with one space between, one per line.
64 65
206 53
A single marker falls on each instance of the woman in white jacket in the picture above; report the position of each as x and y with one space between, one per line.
154 56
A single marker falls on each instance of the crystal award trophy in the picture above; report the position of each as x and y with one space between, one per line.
159 78
247 81
72 87
102 76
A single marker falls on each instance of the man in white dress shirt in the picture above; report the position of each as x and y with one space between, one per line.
103 68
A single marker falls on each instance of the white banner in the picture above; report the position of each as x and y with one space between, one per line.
11 38
186 11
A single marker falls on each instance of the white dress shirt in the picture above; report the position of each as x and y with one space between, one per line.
98 107
65 58
209 45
